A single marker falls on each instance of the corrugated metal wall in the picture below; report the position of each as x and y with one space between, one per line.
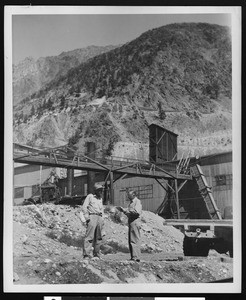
222 193
28 176
149 191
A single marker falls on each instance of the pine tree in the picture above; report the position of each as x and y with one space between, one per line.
32 110
49 104
62 103
162 114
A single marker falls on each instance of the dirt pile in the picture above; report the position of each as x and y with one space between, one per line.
48 239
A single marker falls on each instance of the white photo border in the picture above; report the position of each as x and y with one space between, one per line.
234 287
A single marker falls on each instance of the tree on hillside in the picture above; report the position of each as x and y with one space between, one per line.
213 89
162 114
112 141
32 110
216 89
62 102
77 135
49 104
135 113
25 118
20 116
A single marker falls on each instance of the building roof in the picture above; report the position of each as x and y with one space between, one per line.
162 128
212 159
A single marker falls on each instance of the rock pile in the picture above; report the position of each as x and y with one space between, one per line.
48 240
60 223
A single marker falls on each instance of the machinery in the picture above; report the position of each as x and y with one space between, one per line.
47 192
50 193
203 235
209 232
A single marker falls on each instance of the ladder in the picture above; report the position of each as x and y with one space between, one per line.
205 192
183 165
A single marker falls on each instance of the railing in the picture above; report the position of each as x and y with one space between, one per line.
121 161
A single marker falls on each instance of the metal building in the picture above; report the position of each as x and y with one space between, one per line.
217 169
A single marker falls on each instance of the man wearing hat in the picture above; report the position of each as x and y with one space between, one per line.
92 209
133 212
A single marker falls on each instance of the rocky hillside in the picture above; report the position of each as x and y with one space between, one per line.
178 76
30 75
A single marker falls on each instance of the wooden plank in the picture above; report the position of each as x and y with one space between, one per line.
198 222
177 197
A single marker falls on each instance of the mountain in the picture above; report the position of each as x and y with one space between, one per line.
178 76
30 75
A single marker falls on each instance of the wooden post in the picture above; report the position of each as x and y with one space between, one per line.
90 181
40 180
106 190
177 197
91 176
105 194
112 187
70 174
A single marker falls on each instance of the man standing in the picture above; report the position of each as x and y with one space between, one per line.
133 212
92 210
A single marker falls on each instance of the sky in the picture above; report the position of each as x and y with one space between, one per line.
47 35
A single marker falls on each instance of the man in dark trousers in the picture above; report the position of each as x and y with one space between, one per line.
133 212
92 210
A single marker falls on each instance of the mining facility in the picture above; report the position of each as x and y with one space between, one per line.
194 194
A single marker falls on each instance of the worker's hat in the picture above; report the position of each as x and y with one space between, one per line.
98 186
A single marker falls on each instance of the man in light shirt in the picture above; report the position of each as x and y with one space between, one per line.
133 212
92 210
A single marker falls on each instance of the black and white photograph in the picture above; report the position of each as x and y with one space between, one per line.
122 141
